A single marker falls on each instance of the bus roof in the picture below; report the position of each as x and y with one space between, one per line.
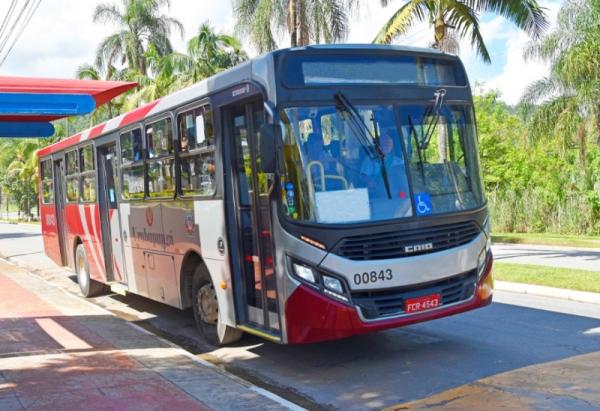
221 80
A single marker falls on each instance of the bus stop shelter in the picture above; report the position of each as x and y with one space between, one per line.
29 105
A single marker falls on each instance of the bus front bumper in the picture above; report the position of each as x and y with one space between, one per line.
312 317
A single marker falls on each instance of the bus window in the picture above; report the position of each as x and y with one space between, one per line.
161 163
131 146
133 182
160 178
132 165
195 129
47 183
196 151
88 174
159 139
72 176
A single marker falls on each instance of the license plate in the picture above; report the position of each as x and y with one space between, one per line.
423 303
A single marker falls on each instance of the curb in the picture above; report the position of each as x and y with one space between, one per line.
565 294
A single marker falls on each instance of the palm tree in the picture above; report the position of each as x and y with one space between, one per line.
567 102
210 53
460 18
141 24
207 54
305 21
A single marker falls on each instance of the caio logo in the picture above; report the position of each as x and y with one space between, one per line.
149 216
418 247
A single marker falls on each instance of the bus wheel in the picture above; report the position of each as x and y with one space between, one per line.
89 287
206 312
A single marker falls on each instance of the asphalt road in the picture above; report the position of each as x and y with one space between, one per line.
565 257
372 371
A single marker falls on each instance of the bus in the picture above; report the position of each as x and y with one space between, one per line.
309 194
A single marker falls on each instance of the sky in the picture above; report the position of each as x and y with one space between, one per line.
61 36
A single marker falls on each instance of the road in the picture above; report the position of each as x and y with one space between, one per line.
565 257
416 363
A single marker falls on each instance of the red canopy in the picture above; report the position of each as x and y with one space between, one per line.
101 91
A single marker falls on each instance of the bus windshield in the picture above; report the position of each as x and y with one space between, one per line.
379 162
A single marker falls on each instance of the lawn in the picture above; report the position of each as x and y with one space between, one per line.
547 239
581 280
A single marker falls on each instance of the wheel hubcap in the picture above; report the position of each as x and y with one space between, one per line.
81 272
208 307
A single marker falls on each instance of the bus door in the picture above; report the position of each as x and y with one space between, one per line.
108 185
254 277
59 204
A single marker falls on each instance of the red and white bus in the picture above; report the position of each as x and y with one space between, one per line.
309 194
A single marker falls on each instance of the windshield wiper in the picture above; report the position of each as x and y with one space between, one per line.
369 142
413 132
365 137
437 108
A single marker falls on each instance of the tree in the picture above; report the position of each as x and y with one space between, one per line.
19 178
460 18
141 24
306 21
208 54
567 102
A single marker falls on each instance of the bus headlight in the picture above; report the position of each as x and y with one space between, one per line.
304 272
333 284
324 283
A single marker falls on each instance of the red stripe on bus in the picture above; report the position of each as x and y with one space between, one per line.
96 131
67 142
138 114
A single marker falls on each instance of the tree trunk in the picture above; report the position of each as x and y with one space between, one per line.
440 30
293 22
581 141
302 26
598 125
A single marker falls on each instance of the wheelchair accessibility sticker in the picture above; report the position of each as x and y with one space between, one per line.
423 203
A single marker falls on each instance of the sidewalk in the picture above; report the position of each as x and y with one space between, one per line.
59 352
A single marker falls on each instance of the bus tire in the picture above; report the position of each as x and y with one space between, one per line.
89 288
206 312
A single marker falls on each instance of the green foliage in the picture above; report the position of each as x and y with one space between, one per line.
452 19
306 21
534 186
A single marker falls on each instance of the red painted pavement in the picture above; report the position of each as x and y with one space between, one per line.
39 369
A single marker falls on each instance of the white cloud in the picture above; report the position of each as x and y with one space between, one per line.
62 35
517 73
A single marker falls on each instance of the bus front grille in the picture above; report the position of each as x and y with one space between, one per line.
387 303
407 243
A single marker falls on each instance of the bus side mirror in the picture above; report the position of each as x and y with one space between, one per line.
270 137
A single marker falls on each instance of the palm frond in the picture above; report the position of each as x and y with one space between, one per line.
400 22
528 15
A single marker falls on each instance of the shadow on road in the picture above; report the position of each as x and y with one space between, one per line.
6 236
375 370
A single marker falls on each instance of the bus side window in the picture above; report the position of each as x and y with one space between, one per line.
47 182
88 175
132 165
160 162
197 152
72 171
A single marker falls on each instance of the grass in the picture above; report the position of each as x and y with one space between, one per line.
547 239
580 280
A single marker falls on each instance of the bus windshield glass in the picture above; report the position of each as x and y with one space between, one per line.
379 162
